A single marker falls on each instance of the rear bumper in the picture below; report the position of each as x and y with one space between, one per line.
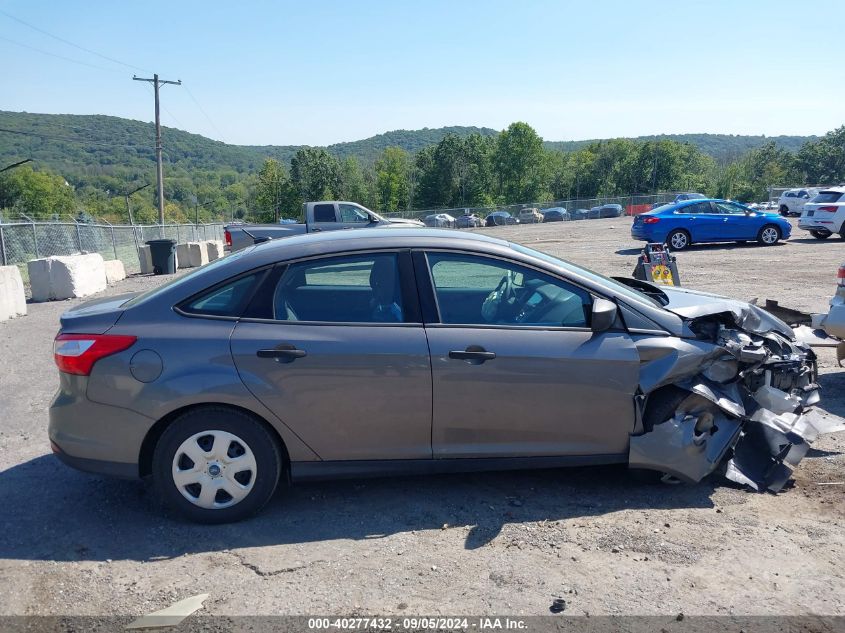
95 437
813 224
99 467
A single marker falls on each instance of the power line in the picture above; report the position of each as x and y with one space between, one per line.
205 114
69 43
67 59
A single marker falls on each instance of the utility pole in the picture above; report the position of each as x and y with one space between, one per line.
128 206
159 171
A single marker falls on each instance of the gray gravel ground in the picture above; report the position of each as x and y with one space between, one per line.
473 544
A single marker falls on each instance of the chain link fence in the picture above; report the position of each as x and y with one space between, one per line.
21 242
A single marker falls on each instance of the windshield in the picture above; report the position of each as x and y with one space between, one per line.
178 281
612 284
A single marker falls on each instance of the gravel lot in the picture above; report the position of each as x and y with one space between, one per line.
471 544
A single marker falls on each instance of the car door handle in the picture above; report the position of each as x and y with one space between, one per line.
472 354
284 353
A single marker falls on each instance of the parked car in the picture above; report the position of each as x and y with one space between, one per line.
530 215
792 201
824 215
555 214
606 211
500 218
611 211
580 214
695 221
441 220
283 362
469 221
327 215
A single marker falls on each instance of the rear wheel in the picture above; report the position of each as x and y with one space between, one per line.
768 235
678 239
216 465
820 235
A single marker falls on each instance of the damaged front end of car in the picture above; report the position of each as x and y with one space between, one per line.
735 396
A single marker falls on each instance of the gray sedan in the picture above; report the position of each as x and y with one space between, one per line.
373 352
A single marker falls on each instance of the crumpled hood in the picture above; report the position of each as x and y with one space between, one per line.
692 304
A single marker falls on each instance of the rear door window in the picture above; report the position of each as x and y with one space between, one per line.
324 213
347 289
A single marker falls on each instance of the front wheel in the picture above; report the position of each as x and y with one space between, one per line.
768 235
216 465
784 210
678 239
820 235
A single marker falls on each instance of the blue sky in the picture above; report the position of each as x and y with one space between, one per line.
311 72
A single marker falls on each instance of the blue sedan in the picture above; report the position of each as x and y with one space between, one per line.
693 221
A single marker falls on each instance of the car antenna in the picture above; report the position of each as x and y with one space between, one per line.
257 240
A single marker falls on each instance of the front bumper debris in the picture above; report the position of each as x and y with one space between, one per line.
750 414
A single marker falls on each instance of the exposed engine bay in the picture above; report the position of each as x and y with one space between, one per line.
735 397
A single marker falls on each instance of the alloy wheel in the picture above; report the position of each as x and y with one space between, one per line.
769 235
679 240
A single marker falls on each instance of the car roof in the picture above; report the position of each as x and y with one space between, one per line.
837 189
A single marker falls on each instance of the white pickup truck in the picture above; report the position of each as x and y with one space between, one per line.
326 215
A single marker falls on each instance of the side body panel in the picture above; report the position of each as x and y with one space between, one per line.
359 392
546 393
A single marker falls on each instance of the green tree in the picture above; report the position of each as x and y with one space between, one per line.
519 164
38 194
274 195
392 179
823 161
315 174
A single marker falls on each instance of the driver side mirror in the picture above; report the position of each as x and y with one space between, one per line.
603 316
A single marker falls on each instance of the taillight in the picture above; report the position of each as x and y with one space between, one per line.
840 276
829 208
651 220
228 237
77 353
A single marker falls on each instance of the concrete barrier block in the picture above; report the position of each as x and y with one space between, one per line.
114 271
66 276
215 250
183 255
146 259
12 296
197 253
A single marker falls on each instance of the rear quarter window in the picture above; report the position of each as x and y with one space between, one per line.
224 300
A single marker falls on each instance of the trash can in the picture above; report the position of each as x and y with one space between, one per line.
163 254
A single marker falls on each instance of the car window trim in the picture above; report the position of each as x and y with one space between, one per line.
433 294
406 276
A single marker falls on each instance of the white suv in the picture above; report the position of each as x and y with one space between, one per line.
792 201
824 215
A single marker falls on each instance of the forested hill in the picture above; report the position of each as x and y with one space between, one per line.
68 142
722 147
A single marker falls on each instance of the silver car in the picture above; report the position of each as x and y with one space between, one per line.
372 352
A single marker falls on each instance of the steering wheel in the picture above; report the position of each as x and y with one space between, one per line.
501 299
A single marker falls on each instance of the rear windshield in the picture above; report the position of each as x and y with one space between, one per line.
179 280
827 196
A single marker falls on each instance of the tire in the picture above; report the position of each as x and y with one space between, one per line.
769 235
678 240
248 445
820 235
784 210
